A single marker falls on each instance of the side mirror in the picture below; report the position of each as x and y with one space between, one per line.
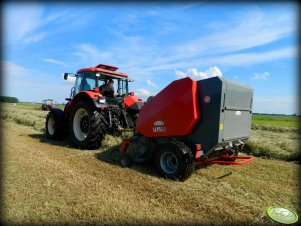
65 76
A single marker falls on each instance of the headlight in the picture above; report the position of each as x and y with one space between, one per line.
101 100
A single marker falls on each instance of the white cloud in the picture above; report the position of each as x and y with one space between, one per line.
53 61
21 21
247 30
261 76
92 54
140 57
10 69
142 93
151 83
25 23
197 75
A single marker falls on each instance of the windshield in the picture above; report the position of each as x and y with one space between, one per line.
85 81
90 80
122 87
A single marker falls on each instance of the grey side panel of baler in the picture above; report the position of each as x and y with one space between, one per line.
236 111
238 96
237 124
206 131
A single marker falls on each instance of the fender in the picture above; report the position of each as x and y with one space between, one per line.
89 96
132 102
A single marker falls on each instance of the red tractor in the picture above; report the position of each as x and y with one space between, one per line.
89 114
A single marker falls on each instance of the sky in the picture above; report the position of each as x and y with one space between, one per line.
155 43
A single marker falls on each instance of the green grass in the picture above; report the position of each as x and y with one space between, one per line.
279 121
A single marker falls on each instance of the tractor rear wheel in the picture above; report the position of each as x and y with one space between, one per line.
174 160
86 126
53 130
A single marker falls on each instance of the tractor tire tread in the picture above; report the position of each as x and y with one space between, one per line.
95 135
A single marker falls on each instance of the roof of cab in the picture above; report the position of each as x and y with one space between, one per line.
104 68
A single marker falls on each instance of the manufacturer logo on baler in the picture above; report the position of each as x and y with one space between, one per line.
158 123
207 99
159 127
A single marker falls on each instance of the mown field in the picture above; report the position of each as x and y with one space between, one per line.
53 182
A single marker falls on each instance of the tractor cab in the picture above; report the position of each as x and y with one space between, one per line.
97 81
96 78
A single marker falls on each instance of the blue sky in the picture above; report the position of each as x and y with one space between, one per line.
155 43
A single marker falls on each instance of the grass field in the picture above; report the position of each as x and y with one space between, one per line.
53 182
282 121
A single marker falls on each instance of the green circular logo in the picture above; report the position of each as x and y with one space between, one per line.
282 215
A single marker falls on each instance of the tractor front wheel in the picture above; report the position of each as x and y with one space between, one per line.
174 160
86 126
53 131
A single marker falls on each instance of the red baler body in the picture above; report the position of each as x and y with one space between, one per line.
174 111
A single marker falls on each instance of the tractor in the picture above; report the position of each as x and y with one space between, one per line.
89 115
47 104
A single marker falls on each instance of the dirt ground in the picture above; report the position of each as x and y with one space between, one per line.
52 182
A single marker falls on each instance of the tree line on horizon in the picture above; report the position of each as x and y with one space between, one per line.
8 99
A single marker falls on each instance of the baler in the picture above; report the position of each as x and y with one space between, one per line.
191 122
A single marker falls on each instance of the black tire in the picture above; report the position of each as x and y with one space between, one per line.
126 160
86 126
149 98
52 127
104 124
174 160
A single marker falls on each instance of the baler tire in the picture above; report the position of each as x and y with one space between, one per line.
52 127
178 152
92 138
126 160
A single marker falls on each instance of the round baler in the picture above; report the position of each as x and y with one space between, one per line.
191 122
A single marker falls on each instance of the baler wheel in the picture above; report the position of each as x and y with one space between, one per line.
174 160
86 126
126 160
